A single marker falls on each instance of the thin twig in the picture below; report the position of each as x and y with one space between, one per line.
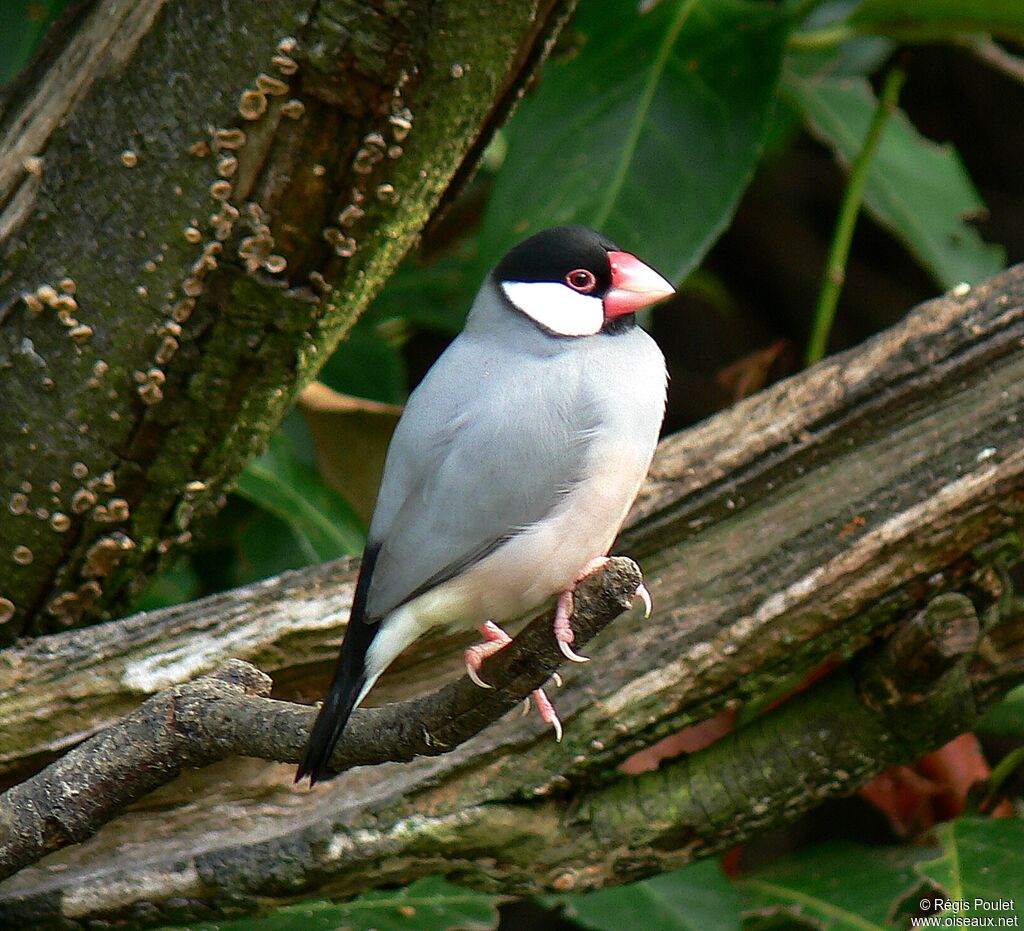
816 39
839 251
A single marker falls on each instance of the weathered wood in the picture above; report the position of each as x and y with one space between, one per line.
58 689
230 713
803 523
196 202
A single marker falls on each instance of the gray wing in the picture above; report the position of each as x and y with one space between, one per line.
480 452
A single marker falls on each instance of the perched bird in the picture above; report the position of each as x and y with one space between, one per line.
513 466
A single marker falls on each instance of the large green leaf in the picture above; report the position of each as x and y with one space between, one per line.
695 898
836 886
1007 718
650 133
281 484
435 295
263 545
940 18
367 364
22 24
917 189
176 584
981 867
426 905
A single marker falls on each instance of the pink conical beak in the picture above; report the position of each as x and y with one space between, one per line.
634 286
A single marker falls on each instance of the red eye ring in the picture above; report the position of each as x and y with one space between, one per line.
582 280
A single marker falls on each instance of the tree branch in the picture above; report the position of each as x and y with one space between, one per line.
826 741
805 522
228 713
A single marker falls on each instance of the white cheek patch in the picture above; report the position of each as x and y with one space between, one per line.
556 307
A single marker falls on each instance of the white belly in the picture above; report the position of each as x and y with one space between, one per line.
617 388
533 566
547 558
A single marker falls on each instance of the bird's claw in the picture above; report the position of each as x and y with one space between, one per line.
547 713
564 634
645 596
475 677
570 654
495 639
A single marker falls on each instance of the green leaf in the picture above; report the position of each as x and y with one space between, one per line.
367 365
434 295
695 898
427 905
650 133
923 19
279 483
837 886
917 189
982 866
1007 718
265 545
22 24
176 584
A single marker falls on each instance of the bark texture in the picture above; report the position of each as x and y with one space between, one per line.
875 494
196 201
221 715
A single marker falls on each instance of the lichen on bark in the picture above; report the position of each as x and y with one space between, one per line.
197 233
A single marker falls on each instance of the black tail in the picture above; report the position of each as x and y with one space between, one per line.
329 725
349 679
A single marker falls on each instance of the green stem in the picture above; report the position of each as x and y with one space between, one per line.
1003 770
961 31
839 251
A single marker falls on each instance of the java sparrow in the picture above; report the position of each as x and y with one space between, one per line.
513 465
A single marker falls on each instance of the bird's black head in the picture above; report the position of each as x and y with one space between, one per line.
573 281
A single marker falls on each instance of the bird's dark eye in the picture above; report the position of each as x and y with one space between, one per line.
581 280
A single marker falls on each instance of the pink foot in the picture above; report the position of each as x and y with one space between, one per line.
591 567
547 712
563 614
494 639
524 708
